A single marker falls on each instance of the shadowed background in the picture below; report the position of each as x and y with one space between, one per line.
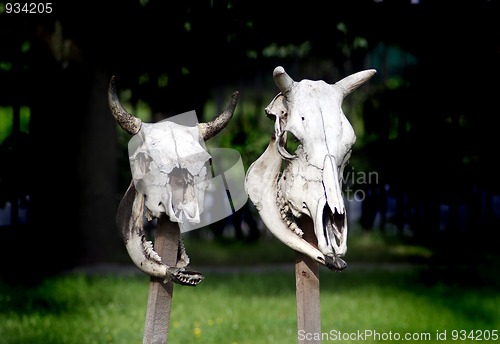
423 168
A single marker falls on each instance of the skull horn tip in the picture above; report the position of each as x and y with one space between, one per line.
127 121
370 73
282 80
212 128
353 81
278 71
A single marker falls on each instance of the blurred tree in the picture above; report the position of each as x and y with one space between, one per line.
423 122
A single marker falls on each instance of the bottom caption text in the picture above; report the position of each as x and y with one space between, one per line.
438 335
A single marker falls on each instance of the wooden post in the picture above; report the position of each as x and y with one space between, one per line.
308 298
167 239
307 291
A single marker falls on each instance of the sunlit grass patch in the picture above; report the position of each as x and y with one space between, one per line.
239 303
242 307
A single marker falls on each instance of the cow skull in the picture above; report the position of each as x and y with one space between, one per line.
309 188
170 169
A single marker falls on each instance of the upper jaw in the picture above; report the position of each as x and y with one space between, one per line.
323 204
330 230
286 208
329 227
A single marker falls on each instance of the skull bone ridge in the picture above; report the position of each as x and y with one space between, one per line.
311 182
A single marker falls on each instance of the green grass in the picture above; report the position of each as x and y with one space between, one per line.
243 307
248 307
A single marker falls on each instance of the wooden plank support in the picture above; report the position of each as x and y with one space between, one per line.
166 244
308 299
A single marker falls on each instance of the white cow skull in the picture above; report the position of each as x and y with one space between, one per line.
311 182
170 169
169 166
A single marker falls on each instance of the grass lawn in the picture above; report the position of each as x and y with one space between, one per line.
249 307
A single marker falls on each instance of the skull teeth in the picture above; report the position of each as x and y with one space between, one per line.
293 226
287 217
184 277
150 252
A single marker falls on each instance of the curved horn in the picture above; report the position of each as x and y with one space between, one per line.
127 121
282 80
212 128
353 81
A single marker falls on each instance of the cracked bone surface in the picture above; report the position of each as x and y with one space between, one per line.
170 168
309 187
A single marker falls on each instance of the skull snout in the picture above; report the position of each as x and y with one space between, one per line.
334 226
184 199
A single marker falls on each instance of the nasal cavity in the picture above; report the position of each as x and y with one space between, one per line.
333 220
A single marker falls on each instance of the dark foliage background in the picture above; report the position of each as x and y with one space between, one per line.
426 123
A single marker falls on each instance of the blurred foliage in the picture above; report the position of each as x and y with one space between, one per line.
424 122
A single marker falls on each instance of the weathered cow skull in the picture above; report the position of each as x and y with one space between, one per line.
170 169
311 182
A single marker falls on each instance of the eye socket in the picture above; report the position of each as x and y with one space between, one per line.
270 115
292 143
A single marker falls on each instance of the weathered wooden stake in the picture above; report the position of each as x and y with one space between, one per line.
307 291
308 299
166 244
